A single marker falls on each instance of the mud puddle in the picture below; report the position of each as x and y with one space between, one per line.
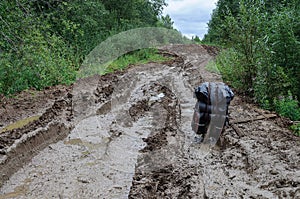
132 139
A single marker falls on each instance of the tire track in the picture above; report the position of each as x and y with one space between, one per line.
132 139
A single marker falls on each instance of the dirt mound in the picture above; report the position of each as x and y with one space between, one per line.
129 136
29 103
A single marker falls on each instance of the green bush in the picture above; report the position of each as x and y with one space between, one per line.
288 107
296 129
230 67
42 60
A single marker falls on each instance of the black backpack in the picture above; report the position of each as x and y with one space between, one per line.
213 99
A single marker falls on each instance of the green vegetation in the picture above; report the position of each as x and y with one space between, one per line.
196 39
43 43
137 57
296 129
288 107
212 67
261 41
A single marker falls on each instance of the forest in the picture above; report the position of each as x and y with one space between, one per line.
43 43
261 56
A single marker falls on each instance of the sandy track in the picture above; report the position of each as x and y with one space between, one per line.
132 138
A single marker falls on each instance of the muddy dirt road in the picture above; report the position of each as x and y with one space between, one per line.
128 135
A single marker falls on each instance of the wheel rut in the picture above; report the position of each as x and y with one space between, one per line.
128 135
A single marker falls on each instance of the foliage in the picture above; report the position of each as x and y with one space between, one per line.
31 56
196 39
262 39
166 22
230 67
43 43
296 129
211 66
288 107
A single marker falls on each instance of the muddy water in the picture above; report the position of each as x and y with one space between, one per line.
20 123
133 139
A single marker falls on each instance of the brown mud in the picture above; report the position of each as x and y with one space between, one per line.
128 135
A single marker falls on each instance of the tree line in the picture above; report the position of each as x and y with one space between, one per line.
43 43
262 50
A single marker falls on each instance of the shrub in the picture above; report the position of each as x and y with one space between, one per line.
288 107
230 67
41 61
296 129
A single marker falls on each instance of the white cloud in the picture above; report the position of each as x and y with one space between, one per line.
190 16
182 6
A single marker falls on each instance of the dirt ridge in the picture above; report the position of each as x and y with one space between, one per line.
19 145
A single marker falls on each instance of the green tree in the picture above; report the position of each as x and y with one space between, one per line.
166 22
196 39
265 39
42 43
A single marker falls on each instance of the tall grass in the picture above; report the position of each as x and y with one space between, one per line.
136 57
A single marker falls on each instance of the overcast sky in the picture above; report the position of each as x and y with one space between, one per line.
190 16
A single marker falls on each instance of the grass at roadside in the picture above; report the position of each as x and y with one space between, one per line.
136 57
